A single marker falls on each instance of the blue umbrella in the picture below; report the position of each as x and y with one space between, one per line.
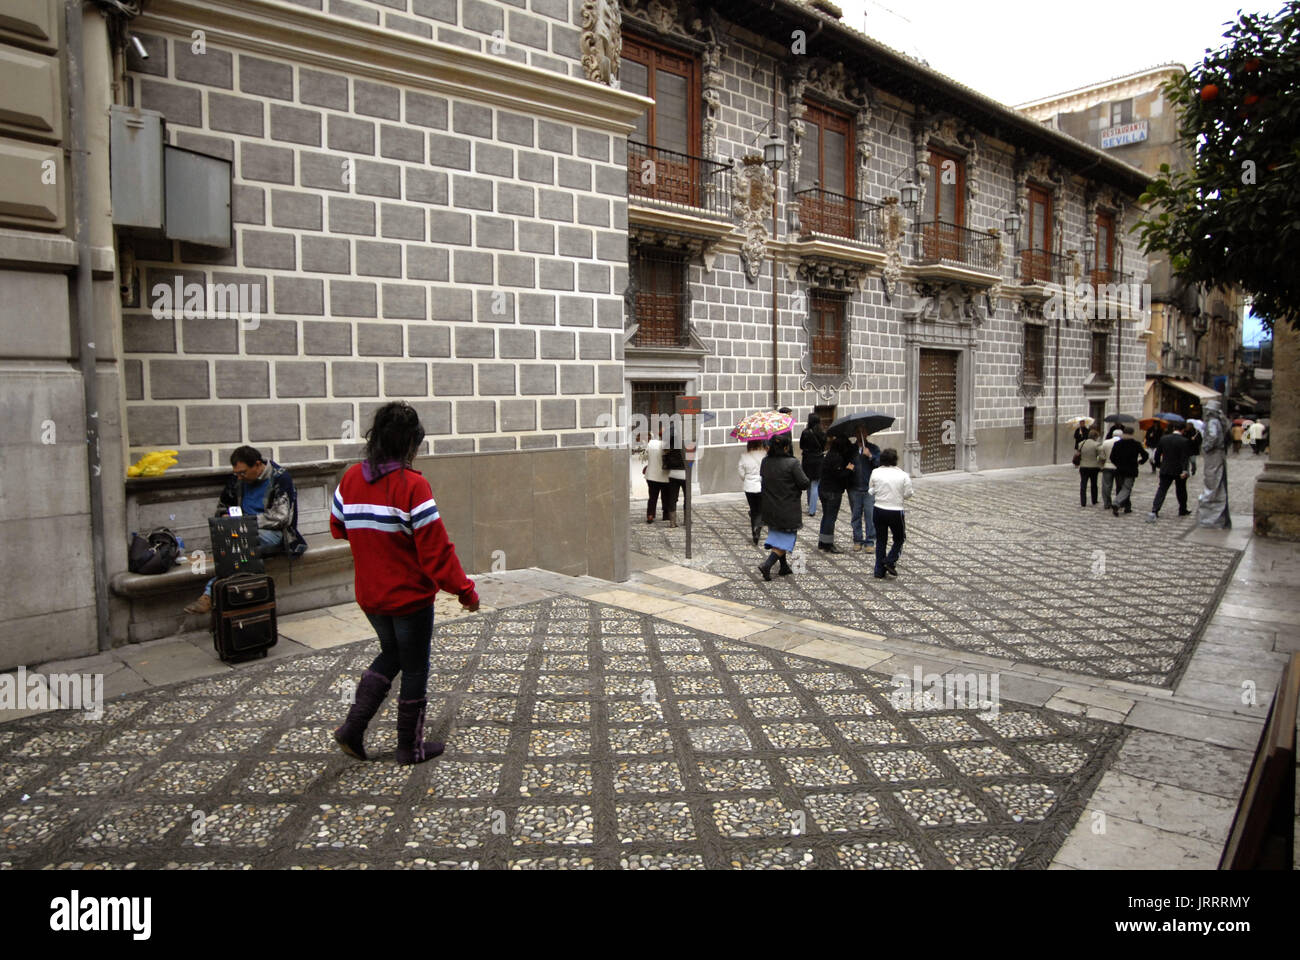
1171 418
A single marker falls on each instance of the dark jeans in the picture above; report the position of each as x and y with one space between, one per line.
864 508
670 492
657 490
1179 483
887 522
830 500
404 644
1088 475
1107 483
755 513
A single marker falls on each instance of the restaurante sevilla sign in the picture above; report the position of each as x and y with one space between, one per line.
1124 134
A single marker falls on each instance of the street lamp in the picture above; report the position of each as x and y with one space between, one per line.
1089 249
909 194
774 154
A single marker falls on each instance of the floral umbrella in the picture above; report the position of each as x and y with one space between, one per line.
763 425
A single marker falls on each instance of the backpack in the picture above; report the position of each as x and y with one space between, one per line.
155 553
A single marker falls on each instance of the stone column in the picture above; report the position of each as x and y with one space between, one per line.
1277 491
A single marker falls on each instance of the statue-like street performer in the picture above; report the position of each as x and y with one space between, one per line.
1214 470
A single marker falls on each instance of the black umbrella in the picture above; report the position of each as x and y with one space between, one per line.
870 422
1121 418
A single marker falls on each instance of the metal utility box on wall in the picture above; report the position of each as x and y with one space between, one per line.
179 193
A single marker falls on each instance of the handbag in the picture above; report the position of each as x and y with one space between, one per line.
1077 459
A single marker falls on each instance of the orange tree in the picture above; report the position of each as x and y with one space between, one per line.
1233 217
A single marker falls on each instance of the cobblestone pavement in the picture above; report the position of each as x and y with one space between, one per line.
1007 567
579 736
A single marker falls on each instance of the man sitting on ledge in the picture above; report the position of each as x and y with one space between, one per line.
265 491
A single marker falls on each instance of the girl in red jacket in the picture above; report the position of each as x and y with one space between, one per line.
402 556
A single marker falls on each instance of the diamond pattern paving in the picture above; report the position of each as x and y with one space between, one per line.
1007 568
579 736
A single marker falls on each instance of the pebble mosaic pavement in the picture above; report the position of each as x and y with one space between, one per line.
1006 568
579 736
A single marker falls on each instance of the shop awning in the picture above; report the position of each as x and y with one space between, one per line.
1197 390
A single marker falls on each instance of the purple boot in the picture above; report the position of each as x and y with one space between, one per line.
365 704
411 745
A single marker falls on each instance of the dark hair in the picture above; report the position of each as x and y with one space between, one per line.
756 445
889 457
782 446
395 434
814 421
249 455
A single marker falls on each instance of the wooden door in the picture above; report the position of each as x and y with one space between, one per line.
937 428
945 211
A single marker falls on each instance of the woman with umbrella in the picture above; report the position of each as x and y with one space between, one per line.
866 457
757 430
783 482
1081 429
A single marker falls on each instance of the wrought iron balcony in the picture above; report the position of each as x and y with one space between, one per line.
678 178
1110 277
940 242
1044 267
835 215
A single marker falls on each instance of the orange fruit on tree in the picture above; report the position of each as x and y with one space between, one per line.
1209 92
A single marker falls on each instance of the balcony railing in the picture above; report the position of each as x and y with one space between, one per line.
1043 266
937 242
678 178
836 215
1109 277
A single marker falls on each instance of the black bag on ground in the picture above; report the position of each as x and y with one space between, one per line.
155 553
243 616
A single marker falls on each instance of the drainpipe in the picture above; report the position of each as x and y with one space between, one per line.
776 319
84 318
1056 393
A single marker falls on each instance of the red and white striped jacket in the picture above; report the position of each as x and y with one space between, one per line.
399 544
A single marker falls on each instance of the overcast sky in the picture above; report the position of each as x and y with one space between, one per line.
1018 50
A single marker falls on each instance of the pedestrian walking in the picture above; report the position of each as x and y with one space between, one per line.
1171 459
890 487
837 475
402 558
1080 434
1089 467
1195 438
1213 501
1128 456
1237 431
751 479
1107 465
674 459
1255 437
812 447
656 478
783 481
1155 433
866 457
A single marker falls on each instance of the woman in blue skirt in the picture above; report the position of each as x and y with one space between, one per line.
783 484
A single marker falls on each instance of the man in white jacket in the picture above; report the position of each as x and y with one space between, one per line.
890 486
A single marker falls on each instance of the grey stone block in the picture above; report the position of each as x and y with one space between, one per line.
593 278
536 167
133 379
153 426
611 246
273 421
211 423
515 271
496 233
518 415
156 47
212 68
559 414
302 453
575 174
476 416
324 171
473 193
515 344
537 308
426 111
351 135
406 379
427 263
556 275
295 125
428 341
591 411
354 11
326 338
594 346
302 211
577 379
329 421
398 143
265 78
178 379
541 441
322 89
203 335
402 222
577 440
611 181
556 9
243 379
536 237
352 378
557 345
378 259
446 150
452 379
494 160
451 303
496 379
266 249
609 313
556 137
594 146
576 312
235 114
471 119
299 378
260 162
222 147
494 306
444 10
299 295
555 205
537 379
515 128
426 186
348 215
496 444
350 298
379 339
376 100
247 204
515 199
379 179
575 242
326 255
593 211
528 30
472 267
405 301
448 226
609 378
475 342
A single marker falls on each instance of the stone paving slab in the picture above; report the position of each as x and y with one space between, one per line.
580 736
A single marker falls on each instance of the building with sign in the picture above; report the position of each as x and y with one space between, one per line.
1193 345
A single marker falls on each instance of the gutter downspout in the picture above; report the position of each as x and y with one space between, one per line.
776 193
1056 394
83 326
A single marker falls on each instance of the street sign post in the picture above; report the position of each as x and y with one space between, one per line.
688 408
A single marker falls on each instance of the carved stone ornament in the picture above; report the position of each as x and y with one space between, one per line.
752 195
893 231
666 16
827 387
702 249
994 293
946 132
602 40
838 275
864 151
798 108
1042 172
951 303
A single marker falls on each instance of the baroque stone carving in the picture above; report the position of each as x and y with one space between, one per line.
826 386
864 150
1043 172
602 40
946 132
666 16
798 86
712 95
893 233
752 194
951 303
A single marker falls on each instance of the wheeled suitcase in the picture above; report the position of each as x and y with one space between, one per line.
243 616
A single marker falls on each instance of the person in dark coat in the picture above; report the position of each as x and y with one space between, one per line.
1127 457
783 481
812 445
837 476
1172 457
1154 435
1080 434
1195 439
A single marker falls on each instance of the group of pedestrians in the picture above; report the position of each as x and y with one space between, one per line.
665 475
1255 434
1117 461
